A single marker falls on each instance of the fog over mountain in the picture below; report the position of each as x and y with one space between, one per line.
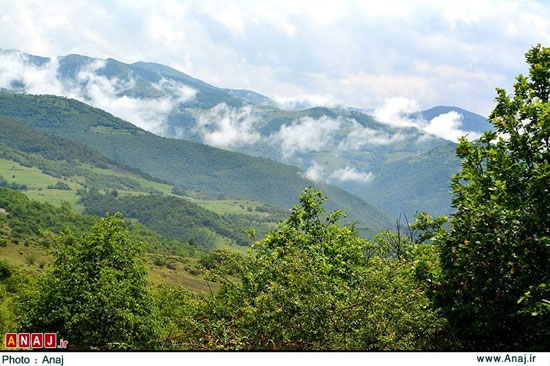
381 156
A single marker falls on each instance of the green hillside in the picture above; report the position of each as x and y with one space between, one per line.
192 165
173 217
27 227
206 219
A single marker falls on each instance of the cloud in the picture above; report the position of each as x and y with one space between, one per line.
18 73
305 102
400 112
315 173
396 112
447 126
224 126
307 135
350 174
357 52
360 137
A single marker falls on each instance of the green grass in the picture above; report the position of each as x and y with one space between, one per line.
233 207
38 182
34 259
178 274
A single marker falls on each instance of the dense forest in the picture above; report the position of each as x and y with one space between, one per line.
478 279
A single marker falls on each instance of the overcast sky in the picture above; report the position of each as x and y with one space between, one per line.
356 53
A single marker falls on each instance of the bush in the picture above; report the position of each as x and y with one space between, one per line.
60 186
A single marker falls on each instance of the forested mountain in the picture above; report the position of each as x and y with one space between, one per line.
394 162
184 163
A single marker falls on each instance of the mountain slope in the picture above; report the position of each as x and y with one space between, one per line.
184 163
55 170
389 164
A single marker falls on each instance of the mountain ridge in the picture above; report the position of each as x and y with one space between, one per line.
351 148
185 163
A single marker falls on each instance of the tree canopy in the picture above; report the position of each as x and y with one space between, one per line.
95 294
313 284
495 259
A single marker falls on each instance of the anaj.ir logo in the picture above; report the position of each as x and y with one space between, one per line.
33 340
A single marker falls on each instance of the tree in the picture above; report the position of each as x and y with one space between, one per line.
95 295
495 260
313 284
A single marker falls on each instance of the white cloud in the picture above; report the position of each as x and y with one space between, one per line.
16 70
350 174
305 102
395 112
448 126
307 135
224 126
95 89
315 173
360 137
355 52
399 112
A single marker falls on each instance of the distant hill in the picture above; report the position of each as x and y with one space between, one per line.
185 163
252 97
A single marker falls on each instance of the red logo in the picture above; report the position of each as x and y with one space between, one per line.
24 340
11 340
37 340
34 340
50 340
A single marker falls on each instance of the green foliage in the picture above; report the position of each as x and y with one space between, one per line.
13 282
30 217
13 185
315 285
21 138
95 294
495 260
61 186
172 217
178 191
221 259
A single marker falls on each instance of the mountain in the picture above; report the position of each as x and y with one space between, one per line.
398 167
184 163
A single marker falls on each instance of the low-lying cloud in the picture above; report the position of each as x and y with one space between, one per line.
307 135
348 174
19 74
448 126
224 126
402 112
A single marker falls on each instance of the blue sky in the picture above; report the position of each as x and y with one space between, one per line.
356 53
